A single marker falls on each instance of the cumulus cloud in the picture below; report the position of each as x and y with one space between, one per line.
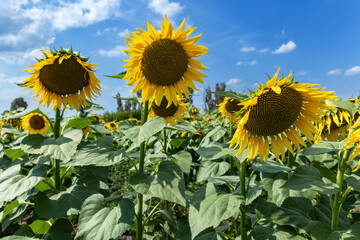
239 63
285 48
38 21
247 49
164 6
18 57
334 72
301 73
249 63
234 82
124 33
353 71
114 52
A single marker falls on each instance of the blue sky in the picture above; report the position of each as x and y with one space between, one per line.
317 40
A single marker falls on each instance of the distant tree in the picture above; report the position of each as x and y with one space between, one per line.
190 100
119 103
138 95
128 105
209 102
219 88
17 103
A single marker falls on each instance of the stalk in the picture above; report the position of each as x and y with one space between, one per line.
139 221
165 141
242 173
57 162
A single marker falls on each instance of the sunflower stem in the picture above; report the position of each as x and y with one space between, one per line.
242 174
165 141
139 221
57 162
291 159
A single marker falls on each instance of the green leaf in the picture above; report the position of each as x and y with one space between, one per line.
139 134
119 76
100 129
307 178
214 135
99 222
176 142
40 226
184 160
134 99
6 128
230 180
262 232
209 234
64 147
212 169
231 94
255 191
353 180
346 105
14 153
97 153
213 151
56 205
295 211
13 183
270 167
77 123
8 209
32 143
61 230
321 231
24 113
19 238
209 207
323 147
168 183
183 126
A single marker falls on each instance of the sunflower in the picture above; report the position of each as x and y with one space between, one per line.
163 64
169 113
63 78
111 126
353 141
86 130
334 125
134 120
14 122
272 112
194 112
97 117
228 109
35 123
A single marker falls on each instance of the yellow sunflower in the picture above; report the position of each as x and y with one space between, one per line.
63 78
272 112
334 125
353 141
228 109
169 113
134 120
35 123
14 122
111 126
163 64
194 112
97 117
86 130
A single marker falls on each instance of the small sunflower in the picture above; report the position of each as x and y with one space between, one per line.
97 117
14 122
63 78
35 123
169 113
163 64
272 112
134 120
111 126
334 125
86 130
353 141
194 112
228 109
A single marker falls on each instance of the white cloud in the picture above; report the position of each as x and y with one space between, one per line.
105 31
38 21
301 73
163 7
17 57
239 63
114 52
247 49
233 82
253 62
334 72
124 33
264 50
285 48
353 71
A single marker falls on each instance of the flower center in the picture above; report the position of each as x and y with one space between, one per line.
66 78
37 122
232 106
274 113
112 125
164 62
162 111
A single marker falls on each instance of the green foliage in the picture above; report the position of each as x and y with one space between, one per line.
118 116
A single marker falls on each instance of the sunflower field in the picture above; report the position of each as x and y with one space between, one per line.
278 162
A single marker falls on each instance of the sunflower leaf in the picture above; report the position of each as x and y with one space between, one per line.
24 113
119 76
99 222
231 94
13 183
346 105
183 126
